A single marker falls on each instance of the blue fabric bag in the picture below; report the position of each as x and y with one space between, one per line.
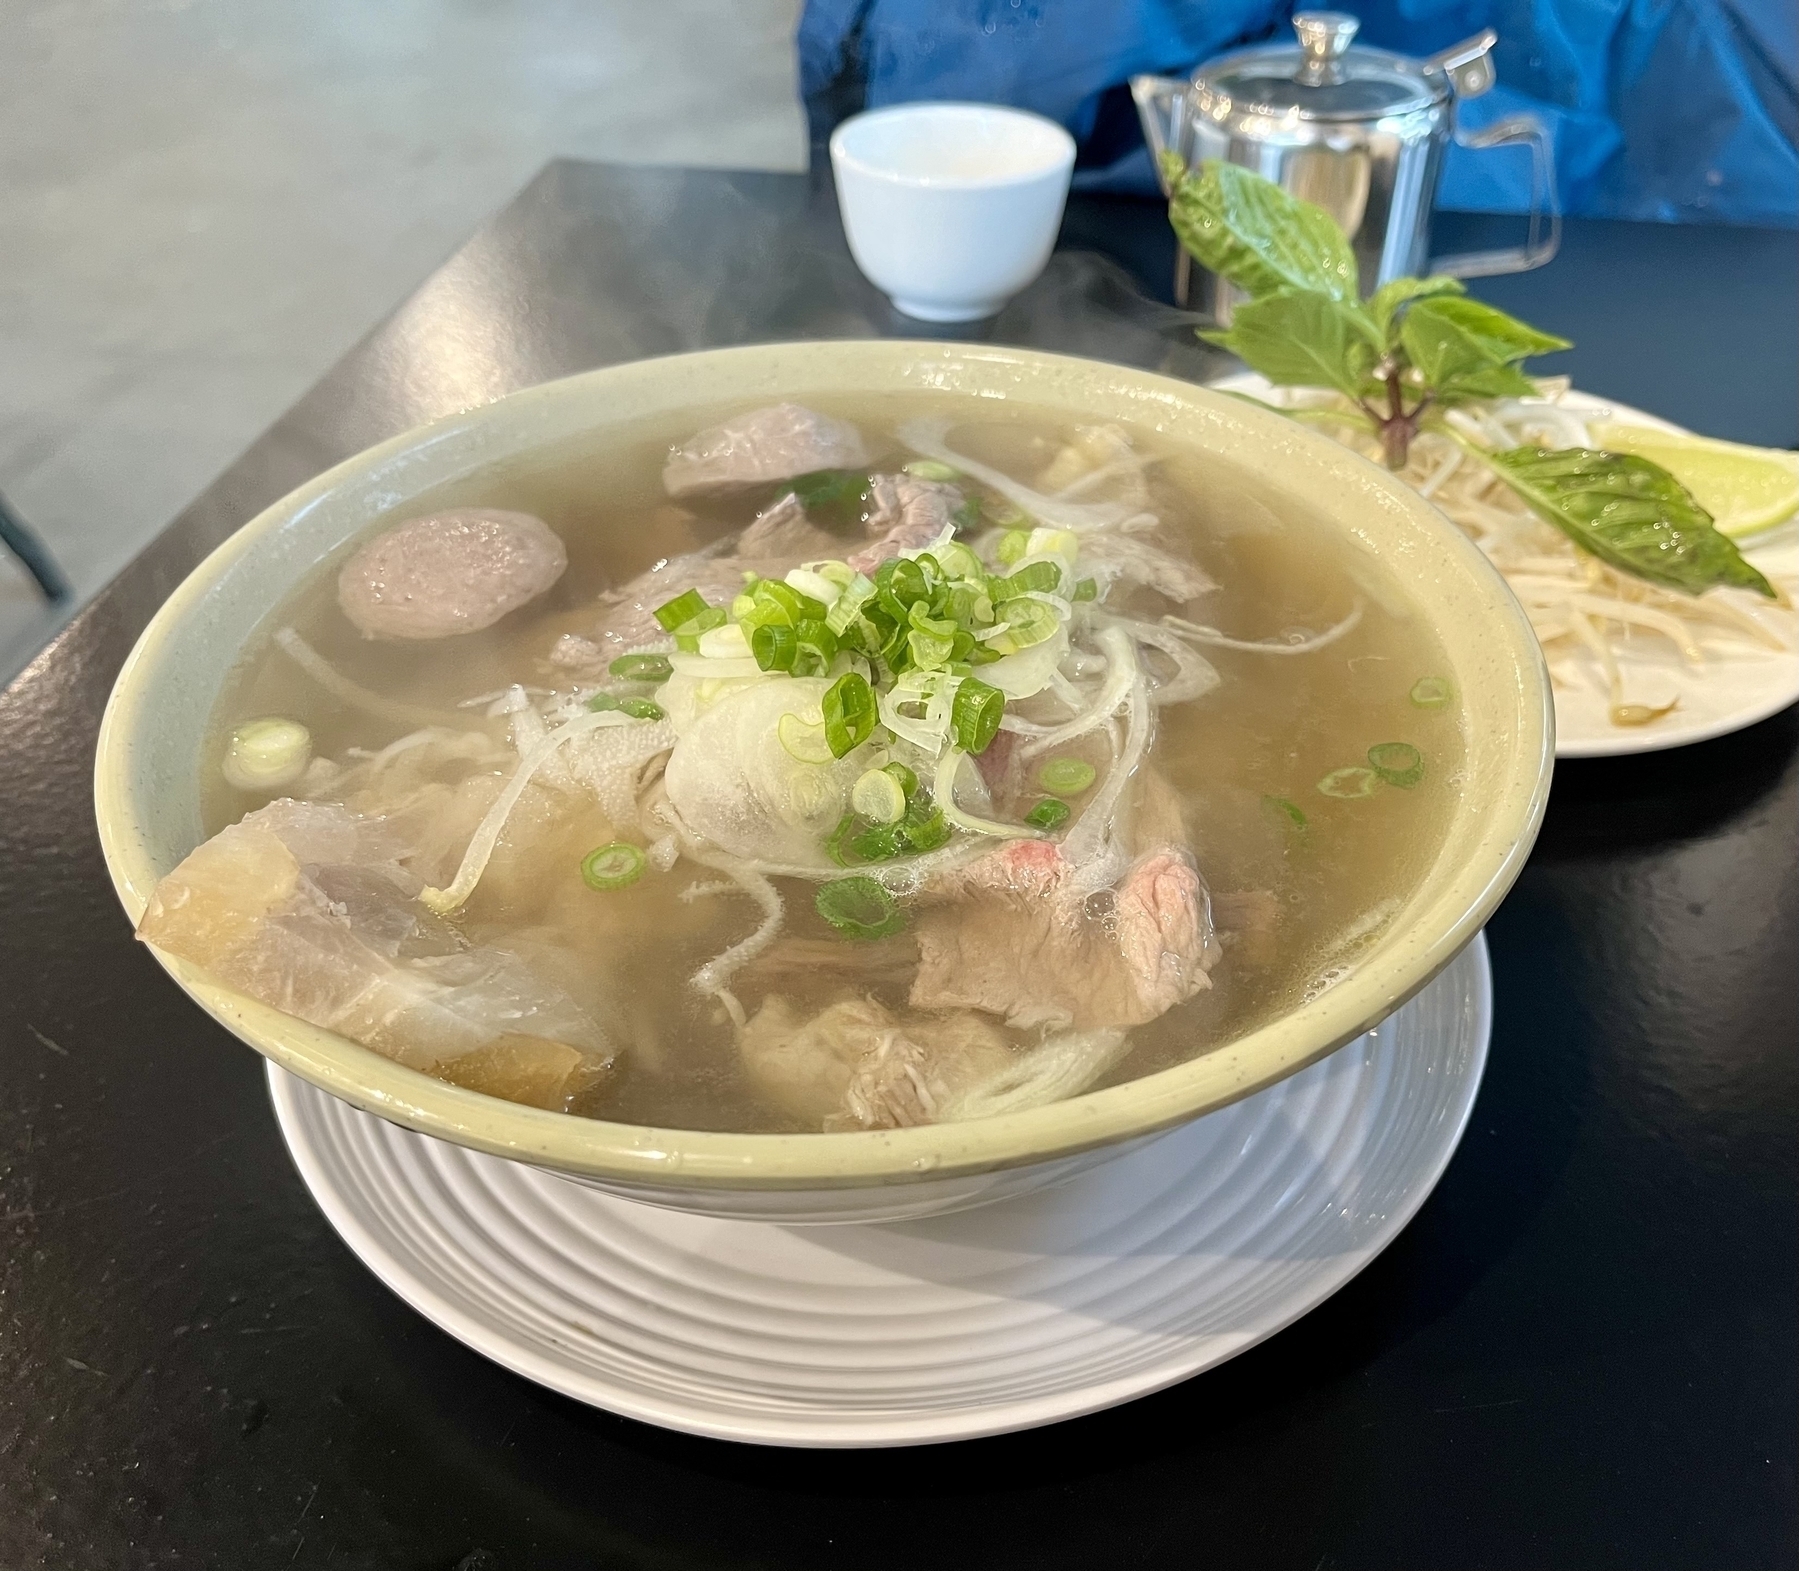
1672 110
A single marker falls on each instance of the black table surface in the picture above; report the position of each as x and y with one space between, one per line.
1582 1352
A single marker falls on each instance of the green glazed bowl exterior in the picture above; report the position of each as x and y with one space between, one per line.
147 788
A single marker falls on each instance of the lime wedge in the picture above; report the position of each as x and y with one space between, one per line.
1745 489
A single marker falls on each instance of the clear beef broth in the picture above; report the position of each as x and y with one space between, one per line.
1245 759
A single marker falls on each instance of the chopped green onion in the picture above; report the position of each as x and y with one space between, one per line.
903 581
848 605
1050 813
919 617
1349 784
960 562
930 651
906 780
1064 543
612 866
931 469
683 608
636 708
802 741
817 647
1398 763
1066 776
641 668
1012 546
688 633
267 754
1431 692
837 842
789 599
775 646
878 797
859 907
1287 810
813 585
926 829
975 715
878 843
1086 589
1038 577
849 711
728 641
967 515
1031 622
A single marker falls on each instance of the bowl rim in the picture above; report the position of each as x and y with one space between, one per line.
845 154
653 1157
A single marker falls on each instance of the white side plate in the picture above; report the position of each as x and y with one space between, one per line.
1735 690
1124 1280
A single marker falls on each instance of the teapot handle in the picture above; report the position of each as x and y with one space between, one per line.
1162 110
1545 236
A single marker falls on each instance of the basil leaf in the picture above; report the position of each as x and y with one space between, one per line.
1391 296
1455 361
1494 381
1505 337
1250 231
1630 513
1297 338
824 487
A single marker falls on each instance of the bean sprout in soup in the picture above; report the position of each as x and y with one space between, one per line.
845 766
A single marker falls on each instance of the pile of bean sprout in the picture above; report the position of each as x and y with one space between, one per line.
1579 605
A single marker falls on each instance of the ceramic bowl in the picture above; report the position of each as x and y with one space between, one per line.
951 209
147 786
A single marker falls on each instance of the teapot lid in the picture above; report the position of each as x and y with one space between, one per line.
1322 78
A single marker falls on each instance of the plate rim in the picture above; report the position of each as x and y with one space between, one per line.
1471 970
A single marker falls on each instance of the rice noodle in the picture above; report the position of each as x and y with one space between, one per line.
1194 675
1060 1066
714 977
1303 644
493 823
930 438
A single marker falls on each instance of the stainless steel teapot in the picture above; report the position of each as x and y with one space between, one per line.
1361 132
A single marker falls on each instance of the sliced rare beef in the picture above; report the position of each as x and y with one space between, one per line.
783 534
905 514
627 615
1112 554
448 573
780 538
776 443
1024 943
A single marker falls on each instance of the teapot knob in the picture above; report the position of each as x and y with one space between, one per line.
1324 36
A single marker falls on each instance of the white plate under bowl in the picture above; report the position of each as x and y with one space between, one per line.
1735 691
1119 1282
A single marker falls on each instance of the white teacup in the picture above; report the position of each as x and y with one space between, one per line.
951 209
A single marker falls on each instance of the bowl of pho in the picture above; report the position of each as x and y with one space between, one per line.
831 781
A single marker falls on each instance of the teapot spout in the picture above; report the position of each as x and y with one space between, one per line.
1162 107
